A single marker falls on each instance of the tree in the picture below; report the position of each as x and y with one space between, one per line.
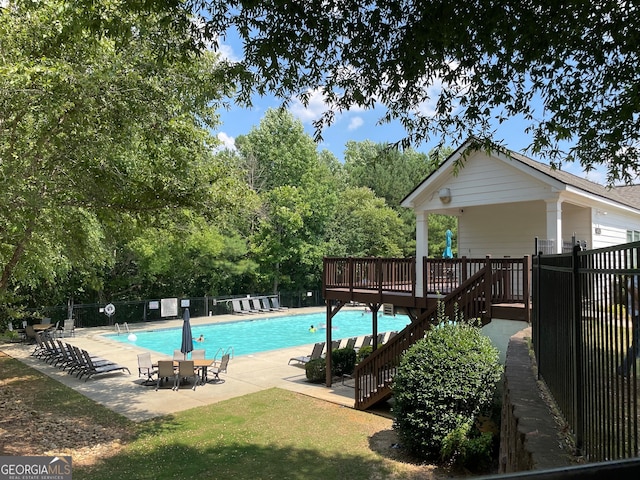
297 187
389 172
282 152
96 132
448 69
364 226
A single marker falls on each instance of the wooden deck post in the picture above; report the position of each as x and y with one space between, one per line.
488 281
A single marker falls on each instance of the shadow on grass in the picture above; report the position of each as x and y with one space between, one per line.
235 461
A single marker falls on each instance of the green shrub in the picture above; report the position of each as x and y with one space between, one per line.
316 370
443 382
343 361
363 353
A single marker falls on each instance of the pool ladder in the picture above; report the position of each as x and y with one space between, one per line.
125 325
224 352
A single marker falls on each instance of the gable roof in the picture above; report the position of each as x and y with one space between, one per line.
628 195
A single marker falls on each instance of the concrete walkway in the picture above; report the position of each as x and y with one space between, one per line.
126 395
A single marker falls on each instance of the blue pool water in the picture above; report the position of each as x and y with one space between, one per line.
259 335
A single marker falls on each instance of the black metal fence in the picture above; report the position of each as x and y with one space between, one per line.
95 315
586 338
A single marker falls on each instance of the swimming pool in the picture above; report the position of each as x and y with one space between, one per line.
259 335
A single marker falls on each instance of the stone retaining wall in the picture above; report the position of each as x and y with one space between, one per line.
529 436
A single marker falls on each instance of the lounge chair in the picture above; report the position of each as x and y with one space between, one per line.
237 308
257 306
366 342
335 344
186 369
315 353
351 343
246 306
216 370
266 306
93 368
145 367
275 303
166 371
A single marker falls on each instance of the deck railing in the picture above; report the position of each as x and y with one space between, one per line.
373 273
440 276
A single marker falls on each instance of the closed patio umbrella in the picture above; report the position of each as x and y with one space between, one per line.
187 337
447 251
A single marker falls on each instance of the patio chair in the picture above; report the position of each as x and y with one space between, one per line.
178 356
69 328
315 353
30 334
186 370
198 354
145 367
217 370
166 371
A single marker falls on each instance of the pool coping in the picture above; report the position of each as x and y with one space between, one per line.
126 395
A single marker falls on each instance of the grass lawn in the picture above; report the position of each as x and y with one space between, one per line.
273 434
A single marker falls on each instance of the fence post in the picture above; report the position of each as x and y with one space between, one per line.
537 301
577 339
526 293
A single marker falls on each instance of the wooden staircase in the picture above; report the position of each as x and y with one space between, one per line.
373 376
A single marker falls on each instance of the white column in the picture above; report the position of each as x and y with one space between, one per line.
422 247
554 223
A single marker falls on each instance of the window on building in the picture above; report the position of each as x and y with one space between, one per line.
633 235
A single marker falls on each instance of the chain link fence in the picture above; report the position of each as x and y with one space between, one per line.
96 315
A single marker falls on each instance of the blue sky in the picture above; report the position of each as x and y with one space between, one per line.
359 125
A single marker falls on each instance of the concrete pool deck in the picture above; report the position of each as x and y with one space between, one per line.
126 395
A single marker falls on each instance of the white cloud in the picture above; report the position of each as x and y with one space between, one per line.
226 52
312 111
355 123
228 142
316 106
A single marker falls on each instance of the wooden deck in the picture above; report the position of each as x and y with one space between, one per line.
477 288
378 281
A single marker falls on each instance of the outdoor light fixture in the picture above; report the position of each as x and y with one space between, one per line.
445 195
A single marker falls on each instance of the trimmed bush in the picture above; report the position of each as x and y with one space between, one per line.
443 382
363 353
316 370
343 361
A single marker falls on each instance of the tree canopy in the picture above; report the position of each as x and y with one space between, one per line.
454 69
95 134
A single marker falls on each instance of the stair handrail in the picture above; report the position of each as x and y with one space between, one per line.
374 373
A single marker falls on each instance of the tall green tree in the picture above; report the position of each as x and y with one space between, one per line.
279 151
389 172
364 226
95 131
